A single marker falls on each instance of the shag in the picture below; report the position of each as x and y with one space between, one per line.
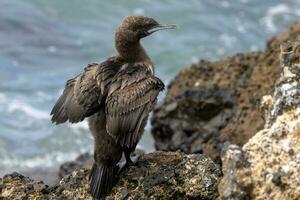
117 95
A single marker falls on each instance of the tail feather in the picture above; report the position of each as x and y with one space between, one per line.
101 179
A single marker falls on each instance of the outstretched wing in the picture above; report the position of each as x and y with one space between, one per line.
131 96
83 94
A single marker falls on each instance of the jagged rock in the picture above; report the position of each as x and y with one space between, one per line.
85 160
193 119
158 175
269 162
232 159
17 186
227 92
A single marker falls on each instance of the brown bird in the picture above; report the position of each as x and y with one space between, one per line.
117 95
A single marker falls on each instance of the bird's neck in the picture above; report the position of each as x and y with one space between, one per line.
130 50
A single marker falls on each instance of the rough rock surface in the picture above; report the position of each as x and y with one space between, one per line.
86 161
158 175
210 103
268 165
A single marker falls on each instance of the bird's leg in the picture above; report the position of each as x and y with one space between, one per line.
130 161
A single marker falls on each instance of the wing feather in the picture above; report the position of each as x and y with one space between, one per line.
131 96
83 95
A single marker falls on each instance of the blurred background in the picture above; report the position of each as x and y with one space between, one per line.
44 43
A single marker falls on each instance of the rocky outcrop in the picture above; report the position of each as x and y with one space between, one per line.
158 175
268 165
210 103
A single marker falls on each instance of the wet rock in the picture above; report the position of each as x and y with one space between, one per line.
158 175
270 160
234 88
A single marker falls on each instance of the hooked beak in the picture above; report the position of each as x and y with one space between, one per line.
161 27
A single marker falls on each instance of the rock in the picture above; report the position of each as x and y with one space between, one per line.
85 160
267 166
46 174
17 186
163 175
197 115
158 175
210 103
232 159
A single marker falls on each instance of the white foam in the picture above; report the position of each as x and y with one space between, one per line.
194 60
13 105
81 125
139 11
16 105
241 28
46 160
228 40
272 12
254 47
52 49
43 95
3 98
225 4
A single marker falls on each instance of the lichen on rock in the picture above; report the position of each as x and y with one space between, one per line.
158 175
270 168
170 176
17 186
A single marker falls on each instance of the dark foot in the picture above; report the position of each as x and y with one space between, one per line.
130 161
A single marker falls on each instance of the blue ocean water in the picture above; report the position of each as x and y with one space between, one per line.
44 43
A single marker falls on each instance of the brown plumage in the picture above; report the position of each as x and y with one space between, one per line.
118 96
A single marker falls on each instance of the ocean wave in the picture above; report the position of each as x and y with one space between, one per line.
227 40
43 95
81 125
3 98
15 105
12 163
139 11
270 19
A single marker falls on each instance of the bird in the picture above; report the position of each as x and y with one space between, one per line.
116 96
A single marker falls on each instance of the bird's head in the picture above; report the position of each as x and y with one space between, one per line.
137 27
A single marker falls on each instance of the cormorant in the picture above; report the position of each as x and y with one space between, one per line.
117 96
